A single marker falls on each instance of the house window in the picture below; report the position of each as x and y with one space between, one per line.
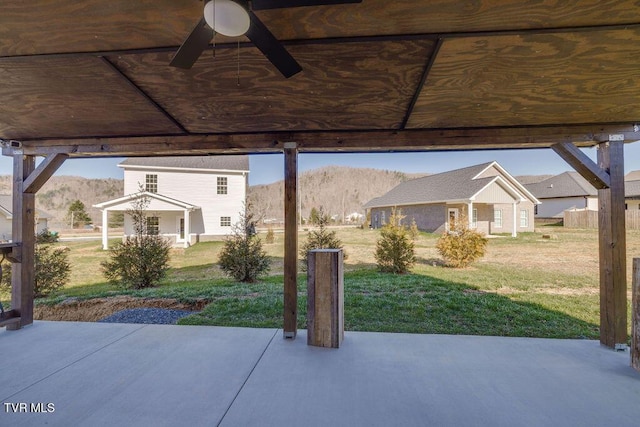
151 183
497 218
225 221
474 218
383 220
153 225
222 185
535 209
626 206
524 218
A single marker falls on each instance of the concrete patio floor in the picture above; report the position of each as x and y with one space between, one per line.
93 374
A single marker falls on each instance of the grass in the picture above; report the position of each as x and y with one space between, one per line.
526 286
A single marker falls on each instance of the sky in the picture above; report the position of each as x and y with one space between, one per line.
268 168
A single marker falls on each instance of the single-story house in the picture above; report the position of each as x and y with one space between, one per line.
6 218
191 199
485 195
568 190
632 195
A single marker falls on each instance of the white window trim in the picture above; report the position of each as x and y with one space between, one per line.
497 220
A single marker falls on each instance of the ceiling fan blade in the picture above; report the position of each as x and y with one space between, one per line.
275 52
193 46
279 4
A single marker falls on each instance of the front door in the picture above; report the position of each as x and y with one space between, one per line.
452 219
181 229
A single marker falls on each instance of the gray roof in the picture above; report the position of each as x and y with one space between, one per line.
457 184
6 203
632 189
567 184
223 162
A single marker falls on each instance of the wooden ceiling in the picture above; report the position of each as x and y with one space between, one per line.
91 78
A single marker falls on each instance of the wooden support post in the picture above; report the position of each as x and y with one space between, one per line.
290 241
635 316
325 298
612 243
23 232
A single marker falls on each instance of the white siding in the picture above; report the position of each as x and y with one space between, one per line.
553 208
494 193
5 228
198 188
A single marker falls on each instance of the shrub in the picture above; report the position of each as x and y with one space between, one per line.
395 252
413 229
52 270
321 238
141 260
46 236
242 256
461 246
270 237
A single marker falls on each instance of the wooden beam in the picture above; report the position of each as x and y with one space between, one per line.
635 315
23 233
290 241
330 141
43 172
612 244
583 164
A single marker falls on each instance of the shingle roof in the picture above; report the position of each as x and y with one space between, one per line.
632 189
231 162
566 184
457 184
632 176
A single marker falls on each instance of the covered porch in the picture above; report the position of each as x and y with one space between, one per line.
169 217
126 374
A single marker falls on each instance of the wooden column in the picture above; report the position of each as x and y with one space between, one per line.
290 240
612 243
325 298
23 233
635 316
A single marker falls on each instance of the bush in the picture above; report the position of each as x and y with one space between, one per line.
52 270
270 237
142 260
242 256
321 238
46 236
413 229
395 252
461 246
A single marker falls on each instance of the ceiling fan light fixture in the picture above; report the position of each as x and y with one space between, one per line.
231 19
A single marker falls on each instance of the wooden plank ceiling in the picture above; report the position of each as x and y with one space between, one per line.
92 77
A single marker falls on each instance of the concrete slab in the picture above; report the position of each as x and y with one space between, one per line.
156 375
140 375
378 379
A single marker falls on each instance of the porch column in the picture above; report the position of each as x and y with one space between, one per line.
187 228
105 229
23 233
290 240
612 242
514 228
470 215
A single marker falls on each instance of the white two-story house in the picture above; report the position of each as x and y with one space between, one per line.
191 199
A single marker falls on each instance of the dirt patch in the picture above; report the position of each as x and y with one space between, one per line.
95 309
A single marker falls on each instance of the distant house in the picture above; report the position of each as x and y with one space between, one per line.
632 176
6 218
632 195
191 199
485 195
568 190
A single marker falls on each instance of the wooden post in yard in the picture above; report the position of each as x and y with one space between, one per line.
325 298
290 240
635 316
612 243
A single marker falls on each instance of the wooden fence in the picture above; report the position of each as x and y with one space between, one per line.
589 219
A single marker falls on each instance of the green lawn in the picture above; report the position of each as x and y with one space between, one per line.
526 286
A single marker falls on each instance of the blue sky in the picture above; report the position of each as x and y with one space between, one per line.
268 168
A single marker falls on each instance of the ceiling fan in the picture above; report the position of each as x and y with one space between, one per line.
235 18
